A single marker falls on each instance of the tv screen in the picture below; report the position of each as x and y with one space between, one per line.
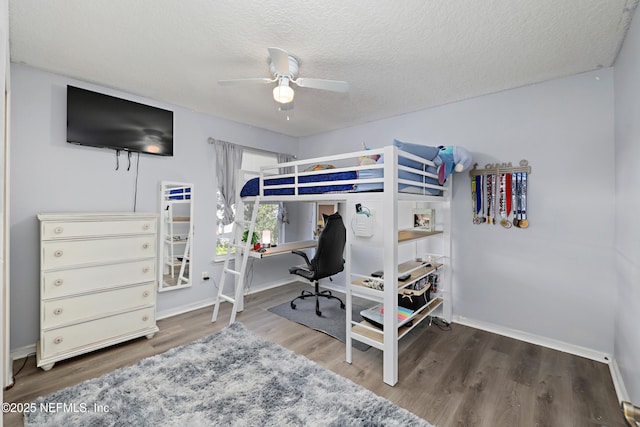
105 121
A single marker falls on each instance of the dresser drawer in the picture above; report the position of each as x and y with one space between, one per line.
61 254
65 311
88 279
69 338
70 229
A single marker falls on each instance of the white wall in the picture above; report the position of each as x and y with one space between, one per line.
555 279
627 234
50 175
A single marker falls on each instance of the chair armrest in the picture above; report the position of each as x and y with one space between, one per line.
303 255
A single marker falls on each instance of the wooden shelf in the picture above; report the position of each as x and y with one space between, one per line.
420 270
415 319
414 233
181 219
361 290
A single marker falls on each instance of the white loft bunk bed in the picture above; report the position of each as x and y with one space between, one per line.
390 188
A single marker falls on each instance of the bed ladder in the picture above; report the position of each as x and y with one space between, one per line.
237 275
186 258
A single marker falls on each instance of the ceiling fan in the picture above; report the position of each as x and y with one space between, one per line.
284 68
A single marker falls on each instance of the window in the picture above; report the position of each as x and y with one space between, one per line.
267 218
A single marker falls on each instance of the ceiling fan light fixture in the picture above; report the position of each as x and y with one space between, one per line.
283 93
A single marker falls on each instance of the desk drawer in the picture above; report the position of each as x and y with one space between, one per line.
82 280
64 311
69 338
61 254
71 229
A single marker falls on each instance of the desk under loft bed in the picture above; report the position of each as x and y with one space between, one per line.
391 185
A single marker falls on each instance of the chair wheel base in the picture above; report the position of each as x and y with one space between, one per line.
317 294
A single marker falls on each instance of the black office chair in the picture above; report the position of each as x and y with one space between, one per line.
327 261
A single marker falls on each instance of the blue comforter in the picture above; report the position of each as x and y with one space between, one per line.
252 187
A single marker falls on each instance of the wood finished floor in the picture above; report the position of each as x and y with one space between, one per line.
461 377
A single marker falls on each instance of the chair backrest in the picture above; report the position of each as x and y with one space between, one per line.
328 259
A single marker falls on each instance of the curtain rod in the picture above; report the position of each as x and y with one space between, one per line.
212 140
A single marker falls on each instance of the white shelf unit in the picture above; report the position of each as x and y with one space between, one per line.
176 235
398 250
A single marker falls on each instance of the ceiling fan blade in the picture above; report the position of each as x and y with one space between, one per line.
280 60
237 82
332 85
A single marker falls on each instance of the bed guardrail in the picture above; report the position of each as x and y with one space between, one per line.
421 180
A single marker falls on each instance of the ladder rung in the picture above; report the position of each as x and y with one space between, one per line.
228 270
242 222
238 245
227 299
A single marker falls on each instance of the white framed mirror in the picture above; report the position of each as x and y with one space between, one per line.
176 235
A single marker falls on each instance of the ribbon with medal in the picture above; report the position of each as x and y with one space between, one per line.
499 194
476 200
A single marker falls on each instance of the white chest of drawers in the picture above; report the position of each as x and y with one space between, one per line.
98 275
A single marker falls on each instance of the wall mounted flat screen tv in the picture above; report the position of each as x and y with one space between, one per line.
100 120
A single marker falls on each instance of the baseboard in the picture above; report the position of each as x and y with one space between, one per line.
174 311
271 285
22 352
618 382
536 339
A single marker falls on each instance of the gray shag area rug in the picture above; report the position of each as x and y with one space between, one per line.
230 378
332 322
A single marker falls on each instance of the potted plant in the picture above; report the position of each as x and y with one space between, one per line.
255 238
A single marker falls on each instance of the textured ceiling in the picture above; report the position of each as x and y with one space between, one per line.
397 56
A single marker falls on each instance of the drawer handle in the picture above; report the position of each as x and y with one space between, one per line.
58 230
58 253
57 340
145 270
145 246
145 294
57 311
145 318
145 227
58 282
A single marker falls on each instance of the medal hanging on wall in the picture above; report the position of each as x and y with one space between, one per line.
488 187
524 222
520 220
474 200
516 198
505 199
494 198
517 191
485 199
476 194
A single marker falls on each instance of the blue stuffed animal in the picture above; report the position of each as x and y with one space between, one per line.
454 158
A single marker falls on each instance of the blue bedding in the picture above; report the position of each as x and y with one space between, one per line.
252 187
